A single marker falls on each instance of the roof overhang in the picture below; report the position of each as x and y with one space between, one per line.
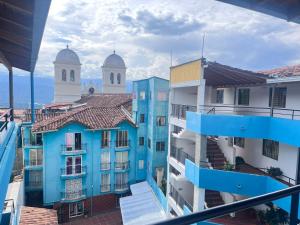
219 75
285 9
22 25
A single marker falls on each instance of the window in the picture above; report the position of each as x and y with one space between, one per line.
119 78
112 78
279 98
76 209
271 149
141 141
73 141
239 142
105 138
161 121
160 146
122 160
122 138
73 165
243 96
161 96
35 157
142 118
35 178
105 160
141 164
74 189
64 75
72 75
105 182
142 95
121 181
220 96
149 143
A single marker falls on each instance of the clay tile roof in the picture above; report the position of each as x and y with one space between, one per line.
91 117
286 71
37 216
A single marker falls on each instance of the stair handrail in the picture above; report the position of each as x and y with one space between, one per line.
212 111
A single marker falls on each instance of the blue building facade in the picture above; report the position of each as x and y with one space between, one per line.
84 161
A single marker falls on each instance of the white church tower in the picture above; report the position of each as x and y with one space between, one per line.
67 76
114 74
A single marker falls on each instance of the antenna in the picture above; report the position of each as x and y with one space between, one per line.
203 42
171 58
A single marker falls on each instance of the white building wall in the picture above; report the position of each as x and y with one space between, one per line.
108 87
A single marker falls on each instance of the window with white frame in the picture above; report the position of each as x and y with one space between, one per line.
279 97
271 149
105 182
35 178
141 164
239 142
73 165
220 96
35 157
161 121
122 138
105 160
76 209
162 96
121 160
142 95
121 181
160 146
73 189
73 141
105 138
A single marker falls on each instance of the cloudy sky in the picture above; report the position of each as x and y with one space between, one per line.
144 33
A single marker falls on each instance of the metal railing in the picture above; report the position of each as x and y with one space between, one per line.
179 200
33 162
74 195
122 143
179 111
249 110
122 165
35 184
74 170
32 141
282 177
65 149
5 118
121 187
104 166
180 155
105 187
240 205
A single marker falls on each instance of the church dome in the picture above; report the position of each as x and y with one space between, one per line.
67 56
114 61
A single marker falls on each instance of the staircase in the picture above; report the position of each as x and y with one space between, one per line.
213 198
214 154
217 160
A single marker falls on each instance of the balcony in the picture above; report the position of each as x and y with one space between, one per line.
105 188
73 172
73 149
73 196
121 187
105 166
179 200
33 164
180 155
36 140
179 111
122 144
122 165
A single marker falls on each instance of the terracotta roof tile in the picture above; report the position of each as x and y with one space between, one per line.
37 216
286 71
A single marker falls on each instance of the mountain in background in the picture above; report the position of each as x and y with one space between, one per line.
43 86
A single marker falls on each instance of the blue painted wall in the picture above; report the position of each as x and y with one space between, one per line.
278 129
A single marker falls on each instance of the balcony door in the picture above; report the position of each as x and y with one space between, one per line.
121 180
73 165
73 189
121 160
73 141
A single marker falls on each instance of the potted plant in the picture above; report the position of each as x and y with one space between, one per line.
228 166
239 161
274 171
273 216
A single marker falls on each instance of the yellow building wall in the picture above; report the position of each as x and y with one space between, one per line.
186 72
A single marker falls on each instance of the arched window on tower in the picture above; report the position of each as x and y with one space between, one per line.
72 75
64 75
119 78
112 78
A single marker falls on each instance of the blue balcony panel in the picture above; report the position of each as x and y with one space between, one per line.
235 182
187 211
261 127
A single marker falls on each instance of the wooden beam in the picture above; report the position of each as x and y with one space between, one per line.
19 18
17 61
15 39
4 61
8 47
24 6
